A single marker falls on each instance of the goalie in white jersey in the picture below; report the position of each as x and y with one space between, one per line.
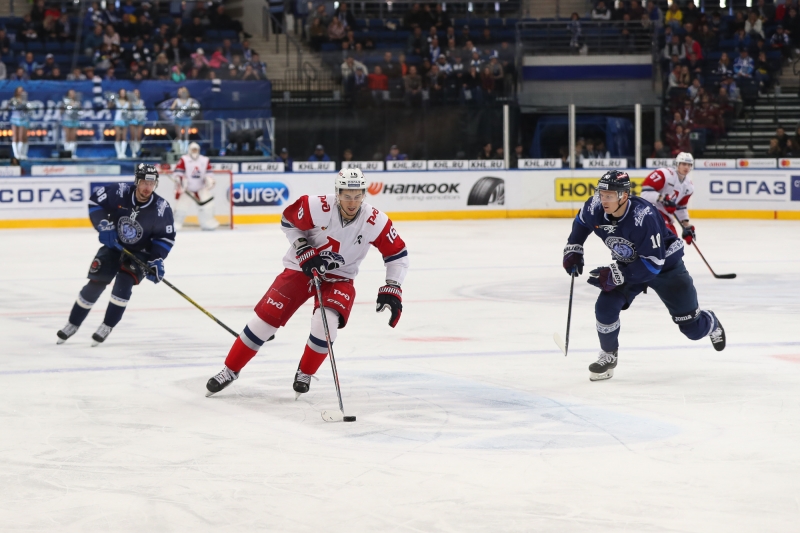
669 189
330 234
194 187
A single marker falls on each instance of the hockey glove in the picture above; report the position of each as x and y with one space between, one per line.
390 296
155 271
573 259
688 234
108 235
669 205
606 278
309 260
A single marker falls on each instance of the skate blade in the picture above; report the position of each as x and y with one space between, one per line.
560 343
297 395
95 343
332 416
600 377
209 394
61 341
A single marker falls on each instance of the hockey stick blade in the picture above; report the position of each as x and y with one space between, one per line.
560 343
725 276
332 416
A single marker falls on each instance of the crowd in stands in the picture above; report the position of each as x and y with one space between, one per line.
137 41
782 145
713 63
422 58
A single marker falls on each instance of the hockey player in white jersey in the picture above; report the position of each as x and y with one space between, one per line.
330 234
194 187
669 189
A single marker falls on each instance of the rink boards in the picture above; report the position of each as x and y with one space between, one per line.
29 202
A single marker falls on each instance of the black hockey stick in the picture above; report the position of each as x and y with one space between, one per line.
326 415
174 288
564 345
718 276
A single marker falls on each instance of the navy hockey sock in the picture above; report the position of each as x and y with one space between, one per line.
606 312
695 327
86 299
123 288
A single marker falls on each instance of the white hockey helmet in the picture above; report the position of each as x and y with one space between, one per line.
684 157
194 150
350 179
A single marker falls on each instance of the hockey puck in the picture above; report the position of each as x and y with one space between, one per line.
351 418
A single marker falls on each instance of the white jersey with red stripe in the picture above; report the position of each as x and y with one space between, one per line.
192 173
664 183
343 244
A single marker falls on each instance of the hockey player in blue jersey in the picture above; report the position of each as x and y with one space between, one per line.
138 220
646 255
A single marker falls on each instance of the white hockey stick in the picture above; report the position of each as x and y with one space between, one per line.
331 416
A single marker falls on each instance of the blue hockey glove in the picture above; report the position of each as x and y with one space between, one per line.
606 278
108 235
156 270
573 259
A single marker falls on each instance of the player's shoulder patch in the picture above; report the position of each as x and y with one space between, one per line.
592 204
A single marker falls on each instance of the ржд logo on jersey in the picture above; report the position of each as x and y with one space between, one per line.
622 249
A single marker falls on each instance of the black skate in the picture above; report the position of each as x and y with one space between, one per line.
101 334
604 367
302 382
225 377
66 332
717 334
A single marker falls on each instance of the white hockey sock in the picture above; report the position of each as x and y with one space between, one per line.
117 147
15 148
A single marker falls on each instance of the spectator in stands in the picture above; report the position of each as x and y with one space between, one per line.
439 19
792 149
693 91
20 75
685 76
161 69
28 30
355 86
194 32
765 12
475 60
654 12
679 141
708 39
691 14
176 74
659 151
434 50
792 24
626 35
49 63
588 152
389 66
762 72
774 149
413 17
222 21
259 67
780 41
601 12
754 27
111 37
518 154
783 139
347 155
743 67
28 64
199 63
796 137
674 48
574 27
463 38
317 33
487 84
5 43
378 83
413 87
417 44
444 67
174 52
723 67
709 117
336 31
287 161
76 75
401 61
319 154
249 74
348 68
345 16
395 155
674 16
471 86
692 46
3 72
486 152
733 93
127 30
218 60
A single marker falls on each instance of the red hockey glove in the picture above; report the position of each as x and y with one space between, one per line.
390 296
689 235
606 278
669 205
309 260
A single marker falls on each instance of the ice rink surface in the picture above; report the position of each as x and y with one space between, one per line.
469 417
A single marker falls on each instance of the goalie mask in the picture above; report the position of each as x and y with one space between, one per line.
194 151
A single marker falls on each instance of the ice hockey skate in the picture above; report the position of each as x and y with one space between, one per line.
224 377
66 332
102 333
604 367
717 335
302 382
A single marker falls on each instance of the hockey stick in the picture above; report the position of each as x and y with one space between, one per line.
718 276
198 202
174 288
327 415
564 345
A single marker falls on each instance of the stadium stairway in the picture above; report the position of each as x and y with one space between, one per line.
276 61
551 8
751 133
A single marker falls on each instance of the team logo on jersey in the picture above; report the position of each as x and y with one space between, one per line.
639 213
129 230
610 228
123 189
162 206
96 264
621 249
594 204
332 259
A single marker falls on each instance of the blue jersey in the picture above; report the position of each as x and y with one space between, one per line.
639 240
147 227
